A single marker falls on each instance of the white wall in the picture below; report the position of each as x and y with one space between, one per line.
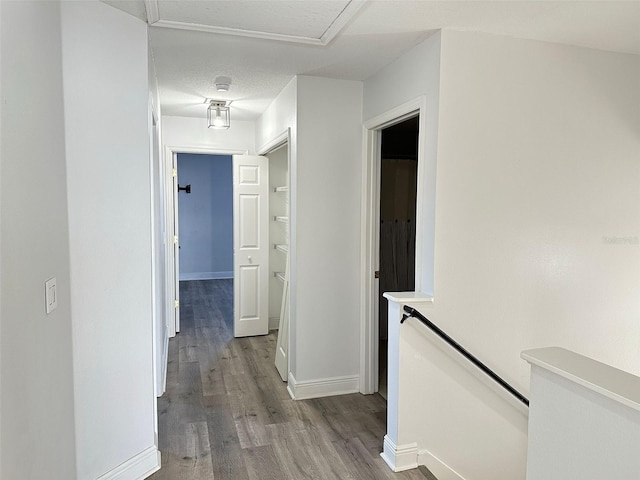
1 155
537 168
585 418
193 132
162 301
325 157
280 115
413 75
329 153
106 95
37 433
537 218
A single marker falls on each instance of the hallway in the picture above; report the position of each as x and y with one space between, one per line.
227 415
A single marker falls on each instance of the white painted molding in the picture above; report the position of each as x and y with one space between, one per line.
153 12
400 457
369 305
397 114
238 32
136 468
613 383
173 276
440 470
280 140
370 224
323 387
153 18
274 323
205 149
408 297
159 393
205 276
341 20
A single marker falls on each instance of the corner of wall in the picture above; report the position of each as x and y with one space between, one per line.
324 387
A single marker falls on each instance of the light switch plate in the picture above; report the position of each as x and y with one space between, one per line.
50 295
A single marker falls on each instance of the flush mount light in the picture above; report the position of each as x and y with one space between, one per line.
218 114
223 84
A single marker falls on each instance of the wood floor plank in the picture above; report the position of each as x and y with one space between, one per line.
188 345
190 457
262 464
227 415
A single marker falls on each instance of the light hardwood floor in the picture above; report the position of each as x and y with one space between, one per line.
226 413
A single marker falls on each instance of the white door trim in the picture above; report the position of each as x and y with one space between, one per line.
370 230
286 138
172 274
277 142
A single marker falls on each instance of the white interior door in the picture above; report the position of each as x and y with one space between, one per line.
159 243
250 245
282 345
176 246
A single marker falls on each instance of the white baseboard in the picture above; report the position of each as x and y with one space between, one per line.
136 468
205 276
323 387
440 470
274 323
399 457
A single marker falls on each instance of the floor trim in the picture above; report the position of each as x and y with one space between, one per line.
185 277
136 468
399 457
324 387
440 470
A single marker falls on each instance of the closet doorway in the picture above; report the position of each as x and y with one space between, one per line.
397 233
279 243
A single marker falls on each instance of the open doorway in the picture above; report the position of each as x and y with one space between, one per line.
279 239
397 234
413 135
205 206
208 219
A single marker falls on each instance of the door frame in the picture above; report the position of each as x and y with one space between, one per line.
159 358
276 142
370 229
173 276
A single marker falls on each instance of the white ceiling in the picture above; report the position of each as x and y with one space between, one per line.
262 44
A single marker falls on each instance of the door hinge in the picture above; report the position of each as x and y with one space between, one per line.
376 274
175 239
174 172
176 303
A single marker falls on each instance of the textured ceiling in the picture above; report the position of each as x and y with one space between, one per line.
285 17
188 61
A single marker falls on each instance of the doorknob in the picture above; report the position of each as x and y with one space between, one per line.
249 258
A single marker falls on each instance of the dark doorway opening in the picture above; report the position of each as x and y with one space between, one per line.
398 191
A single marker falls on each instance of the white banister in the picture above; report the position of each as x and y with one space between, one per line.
584 420
400 453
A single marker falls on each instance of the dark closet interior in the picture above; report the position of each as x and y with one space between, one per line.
398 189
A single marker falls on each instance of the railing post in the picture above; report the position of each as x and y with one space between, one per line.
398 452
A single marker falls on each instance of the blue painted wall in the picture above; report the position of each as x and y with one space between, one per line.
205 216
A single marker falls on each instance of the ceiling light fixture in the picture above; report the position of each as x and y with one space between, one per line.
223 84
218 114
